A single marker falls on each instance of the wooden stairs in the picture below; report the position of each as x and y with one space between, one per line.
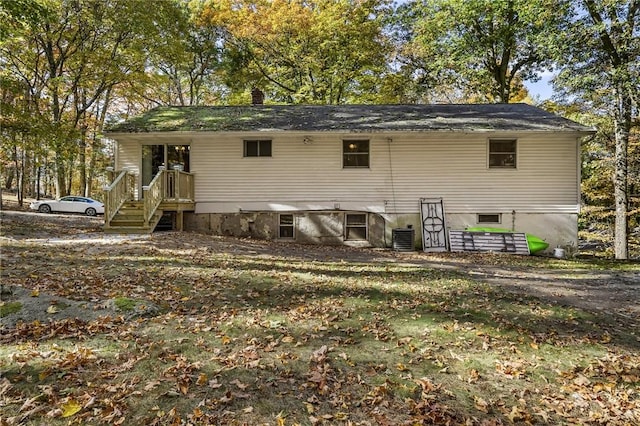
130 219
166 198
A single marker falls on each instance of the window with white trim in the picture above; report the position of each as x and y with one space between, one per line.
355 154
257 148
286 226
502 153
355 226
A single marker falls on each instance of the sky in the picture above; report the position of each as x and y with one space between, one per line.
541 89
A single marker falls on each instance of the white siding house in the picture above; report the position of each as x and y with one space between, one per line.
314 173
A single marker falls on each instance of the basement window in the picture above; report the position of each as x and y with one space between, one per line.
285 226
493 218
502 154
356 227
355 154
257 148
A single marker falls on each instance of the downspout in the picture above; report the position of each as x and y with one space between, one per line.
579 141
393 190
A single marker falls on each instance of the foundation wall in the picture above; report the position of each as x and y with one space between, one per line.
329 227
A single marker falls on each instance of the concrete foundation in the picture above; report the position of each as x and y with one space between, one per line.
326 227
329 227
559 230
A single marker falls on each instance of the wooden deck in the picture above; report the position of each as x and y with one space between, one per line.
170 191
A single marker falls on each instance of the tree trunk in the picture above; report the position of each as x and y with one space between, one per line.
60 176
38 179
16 162
622 118
69 183
83 160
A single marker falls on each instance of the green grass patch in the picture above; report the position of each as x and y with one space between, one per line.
124 304
7 308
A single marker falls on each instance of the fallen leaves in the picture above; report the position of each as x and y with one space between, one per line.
606 390
69 408
512 369
245 338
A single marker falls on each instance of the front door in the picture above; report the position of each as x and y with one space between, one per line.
153 157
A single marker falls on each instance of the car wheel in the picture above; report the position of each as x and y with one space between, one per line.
44 208
90 211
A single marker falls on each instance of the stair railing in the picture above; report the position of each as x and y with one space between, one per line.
153 195
116 194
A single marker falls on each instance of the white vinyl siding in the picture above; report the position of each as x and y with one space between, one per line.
129 156
298 176
455 169
403 168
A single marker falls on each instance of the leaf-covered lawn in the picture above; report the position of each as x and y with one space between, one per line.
251 332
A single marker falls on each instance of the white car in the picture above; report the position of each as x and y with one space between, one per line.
70 204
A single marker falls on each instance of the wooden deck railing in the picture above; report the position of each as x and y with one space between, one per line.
116 194
173 186
153 196
167 185
178 185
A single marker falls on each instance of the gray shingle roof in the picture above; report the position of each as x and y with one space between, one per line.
350 118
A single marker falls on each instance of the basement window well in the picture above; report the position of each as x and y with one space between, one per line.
356 227
286 226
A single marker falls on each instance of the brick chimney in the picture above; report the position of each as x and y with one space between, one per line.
257 96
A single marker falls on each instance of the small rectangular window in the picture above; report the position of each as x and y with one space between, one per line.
257 148
286 226
355 154
502 154
489 218
356 227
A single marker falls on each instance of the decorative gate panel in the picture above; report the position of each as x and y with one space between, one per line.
434 233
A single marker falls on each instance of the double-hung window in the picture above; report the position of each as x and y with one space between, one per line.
257 148
286 226
502 153
356 227
355 154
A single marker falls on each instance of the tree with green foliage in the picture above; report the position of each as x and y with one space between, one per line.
17 15
21 137
183 66
600 59
321 51
484 49
70 61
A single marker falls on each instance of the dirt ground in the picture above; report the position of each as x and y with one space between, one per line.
564 282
